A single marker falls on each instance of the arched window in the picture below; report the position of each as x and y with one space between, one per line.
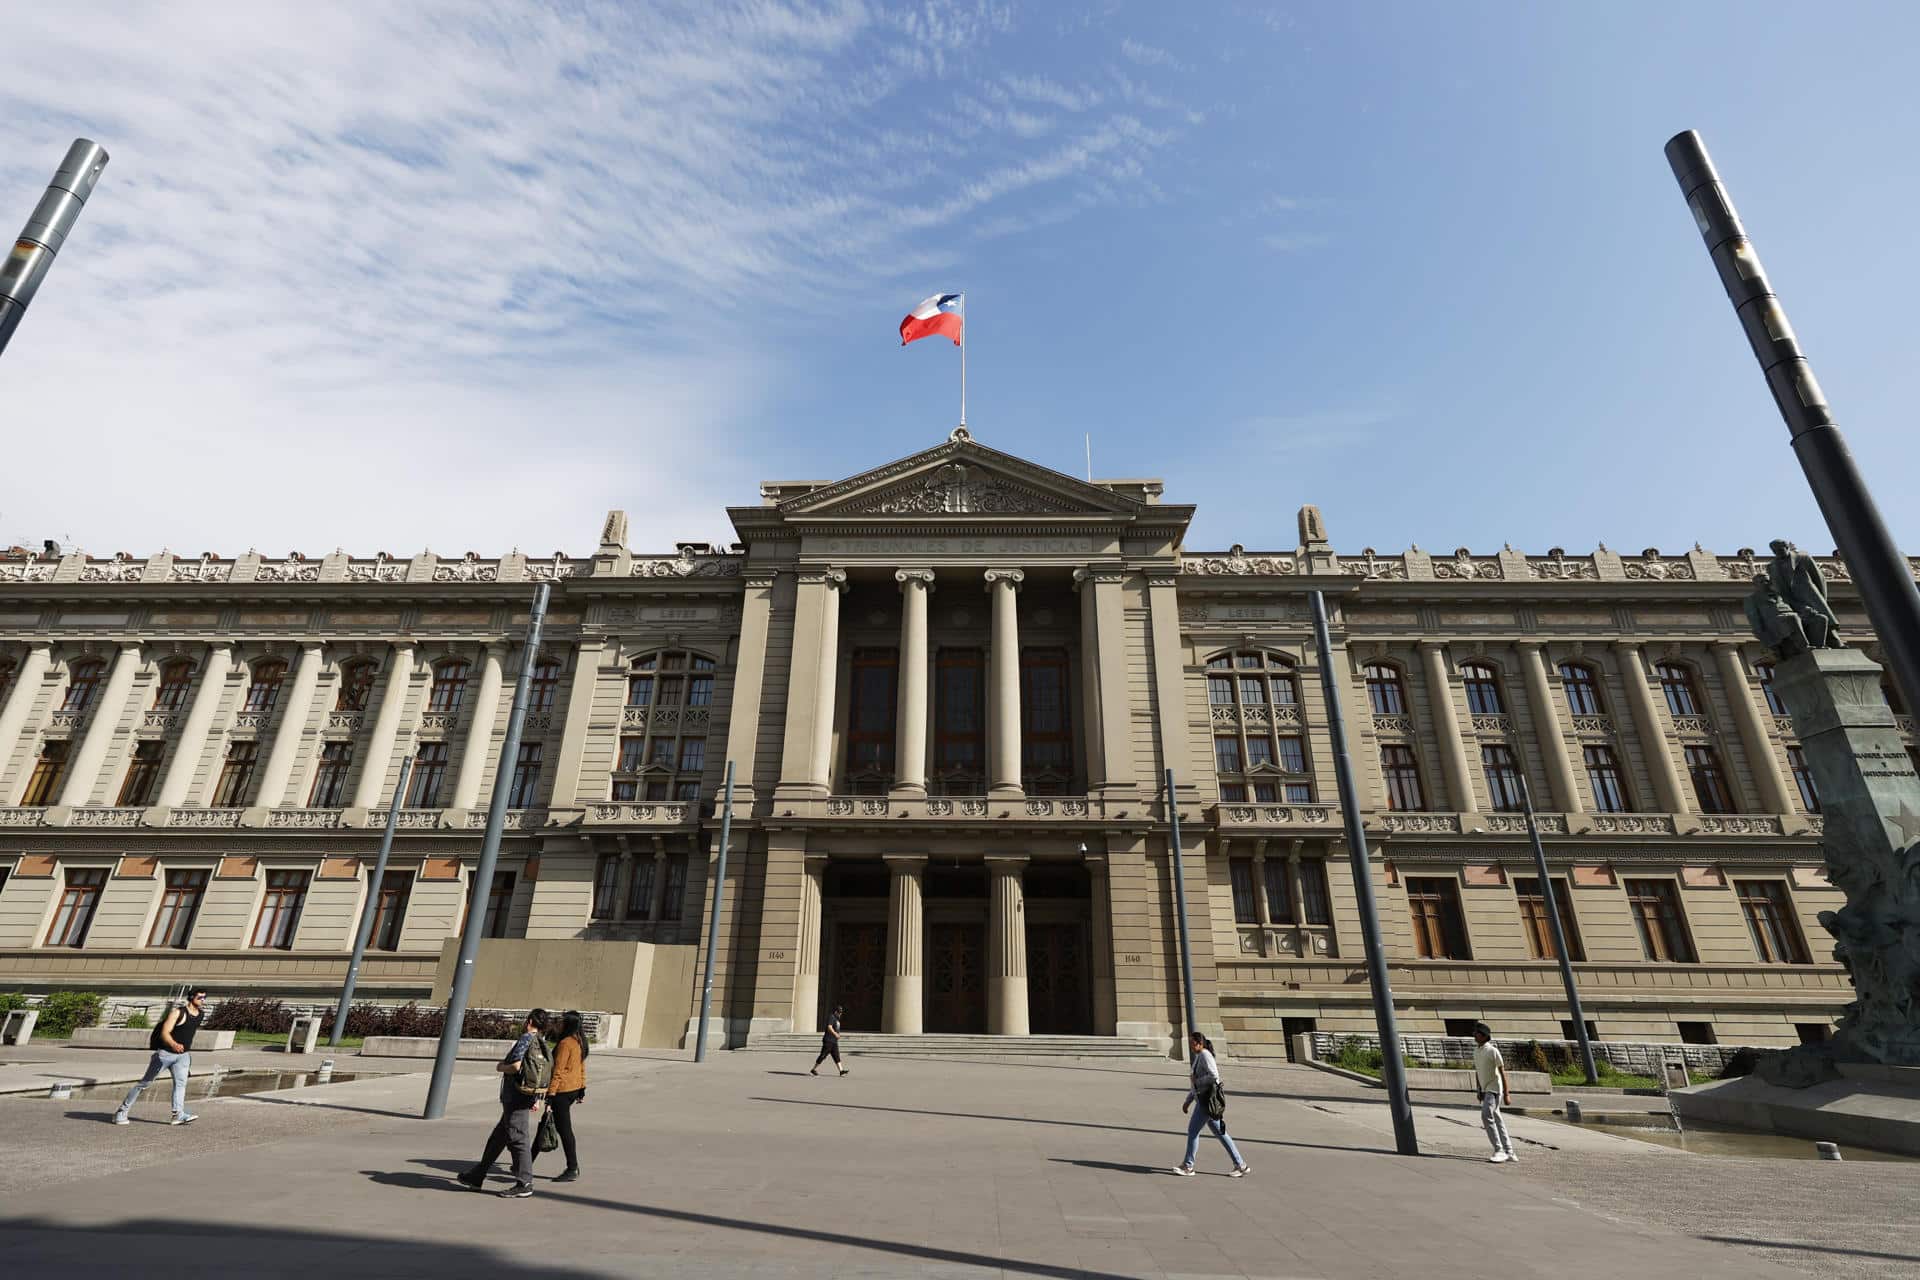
1386 692
663 751
264 690
83 681
1775 704
1582 689
1676 681
1259 744
356 685
543 685
449 685
1483 689
176 678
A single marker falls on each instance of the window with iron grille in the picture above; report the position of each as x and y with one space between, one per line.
263 690
1709 782
1657 917
640 893
280 909
1534 921
176 678
1483 689
330 779
675 897
959 725
871 725
1046 731
1676 682
1386 691
1769 912
79 899
1279 891
83 681
1246 909
1582 688
1316 904
179 906
236 775
606 887
1401 772
143 773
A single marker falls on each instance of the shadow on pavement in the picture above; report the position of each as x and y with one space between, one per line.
36 1246
1113 1166
1812 1248
1177 1134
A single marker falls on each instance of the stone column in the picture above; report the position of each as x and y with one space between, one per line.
386 727
192 743
579 726
806 978
1003 687
486 711
910 747
1115 744
1090 735
103 724
1006 947
1446 727
1101 966
26 688
1669 794
821 774
749 677
1775 795
1546 724
906 945
293 726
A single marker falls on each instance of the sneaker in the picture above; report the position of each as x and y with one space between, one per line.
185 1117
469 1181
1242 1171
571 1175
120 1117
1499 1157
1512 1158
1184 1170
516 1193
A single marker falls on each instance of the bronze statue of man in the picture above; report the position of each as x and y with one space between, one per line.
1796 578
1773 620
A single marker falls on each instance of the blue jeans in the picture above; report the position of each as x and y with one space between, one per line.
163 1061
1219 1127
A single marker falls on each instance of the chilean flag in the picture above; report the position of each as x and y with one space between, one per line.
943 313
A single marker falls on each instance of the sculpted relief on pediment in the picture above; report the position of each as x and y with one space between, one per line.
956 489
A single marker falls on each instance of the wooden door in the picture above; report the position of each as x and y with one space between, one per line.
1059 995
859 973
956 978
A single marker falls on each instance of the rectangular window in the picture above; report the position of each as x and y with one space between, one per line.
1046 737
687 791
396 887
1226 754
449 687
48 770
1803 779
1776 936
693 755
676 887
665 752
871 717
1299 793
1709 783
640 894
1656 915
264 691
526 777
1676 682
1316 904
1253 691
606 887
640 691
1246 909
700 691
83 681
280 910
1293 754
1259 750
330 779
1384 691
429 771
633 752
1439 929
1263 793
236 775
1503 777
499 905
1583 691
670 690
657 789
1401 772
959 739
1236 792
543 686
179 904
1766 672
79 898
1609 788
1220 691
143 774
1279 895
1534 922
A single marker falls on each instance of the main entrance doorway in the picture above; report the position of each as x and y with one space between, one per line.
859 973
956 984
1059 996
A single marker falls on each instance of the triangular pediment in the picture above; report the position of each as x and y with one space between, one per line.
960 477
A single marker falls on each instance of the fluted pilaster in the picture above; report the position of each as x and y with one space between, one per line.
1006 948
1003 684
910 749
906 945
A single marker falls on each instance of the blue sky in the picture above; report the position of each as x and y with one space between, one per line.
464 276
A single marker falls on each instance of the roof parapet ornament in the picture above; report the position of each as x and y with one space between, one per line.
613 534
959 435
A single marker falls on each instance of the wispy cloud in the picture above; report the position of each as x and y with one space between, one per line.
1149 56
462 274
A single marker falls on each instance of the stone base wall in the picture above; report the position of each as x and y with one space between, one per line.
1639 1058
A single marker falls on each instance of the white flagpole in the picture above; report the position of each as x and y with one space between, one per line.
963 359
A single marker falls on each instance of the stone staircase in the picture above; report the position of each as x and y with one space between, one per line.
870 1044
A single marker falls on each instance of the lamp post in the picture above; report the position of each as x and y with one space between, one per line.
1879 570
1559 933
1180 910
372 906
713 916
22 270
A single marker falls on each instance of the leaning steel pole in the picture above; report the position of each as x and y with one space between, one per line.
1879 570
476 923
1550 900
47 229
1180 909
371 907
1393 1070
713 915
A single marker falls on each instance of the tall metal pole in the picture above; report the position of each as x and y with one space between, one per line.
476 923
1393 1069
713 915
1552 902
47 229
1879 570
1180 909
372 907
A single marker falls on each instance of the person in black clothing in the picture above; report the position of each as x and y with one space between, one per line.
172 1044
519 1111
830 1044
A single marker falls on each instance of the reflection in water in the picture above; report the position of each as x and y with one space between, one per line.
1732 1142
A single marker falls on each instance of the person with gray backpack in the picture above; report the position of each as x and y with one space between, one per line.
1212 1111
525 1074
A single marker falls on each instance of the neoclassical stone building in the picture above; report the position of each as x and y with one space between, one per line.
948 687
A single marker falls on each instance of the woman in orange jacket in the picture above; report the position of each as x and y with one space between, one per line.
569 1086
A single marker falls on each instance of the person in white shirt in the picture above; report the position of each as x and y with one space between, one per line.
1490 1072
1208 1092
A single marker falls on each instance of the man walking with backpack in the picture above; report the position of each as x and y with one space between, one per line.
525 1073
172 1045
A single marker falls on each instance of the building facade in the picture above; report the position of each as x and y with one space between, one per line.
949 688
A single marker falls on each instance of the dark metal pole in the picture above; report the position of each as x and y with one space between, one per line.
1393 1069
476 923
1552 901
372 907
713 916
1180 910
22 270
1879 570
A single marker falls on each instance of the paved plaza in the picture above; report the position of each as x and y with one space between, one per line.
748 1166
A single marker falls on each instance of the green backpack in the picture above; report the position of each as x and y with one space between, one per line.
536 1069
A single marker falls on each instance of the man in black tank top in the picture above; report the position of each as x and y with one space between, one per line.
172 1043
